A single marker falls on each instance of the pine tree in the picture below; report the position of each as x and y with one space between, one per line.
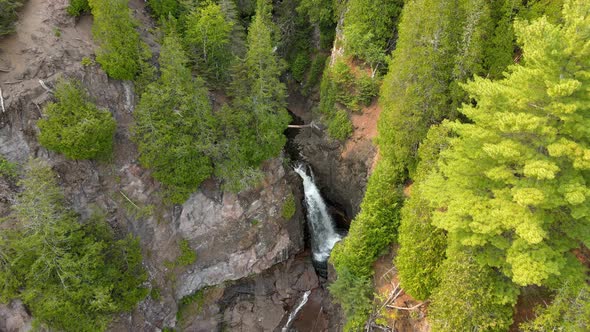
259 91
514 184
72 277
120 50
208 34
422 246
175 128
8 15
74 126
471 297
369 27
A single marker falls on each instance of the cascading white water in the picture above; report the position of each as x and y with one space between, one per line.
294 313
323 235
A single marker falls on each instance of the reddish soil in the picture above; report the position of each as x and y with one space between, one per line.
365 127
386 281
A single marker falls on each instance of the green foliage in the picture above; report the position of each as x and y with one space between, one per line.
253 126
300 65
471 297
340 87
8 169
551 9
8 15
189 303
155 293
74 126
569 311
367 88
187 255
315 73
440 44
86 61
289 207
373 229
319 11
77 7
514 183
369 25
120 51
339 125
72 277
422 246
163 8
175 128
355 294
208 35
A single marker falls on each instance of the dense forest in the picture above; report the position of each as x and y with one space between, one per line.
482 183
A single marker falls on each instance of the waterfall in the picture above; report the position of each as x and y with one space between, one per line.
294 313
323 235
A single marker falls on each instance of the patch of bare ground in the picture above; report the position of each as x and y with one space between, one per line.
395 310
364 127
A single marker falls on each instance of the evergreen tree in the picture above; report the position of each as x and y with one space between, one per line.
163 8
569 310
259 91
8 15
369 28
514 184
238 34
471 297
208 34
72 277
422 246
175 128
120 50
74 126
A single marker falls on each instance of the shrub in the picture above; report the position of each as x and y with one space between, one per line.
120 51
339 125
86 61
187 254
8 15
367 89
289 207
74 126
78 7
7 168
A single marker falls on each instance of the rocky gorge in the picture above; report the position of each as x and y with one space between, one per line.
253 265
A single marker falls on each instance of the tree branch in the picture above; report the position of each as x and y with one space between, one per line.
45 86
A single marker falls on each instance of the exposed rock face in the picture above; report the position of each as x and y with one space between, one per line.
236 235
264 302
341 177
14 317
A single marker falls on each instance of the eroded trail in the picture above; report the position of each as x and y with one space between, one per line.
46 39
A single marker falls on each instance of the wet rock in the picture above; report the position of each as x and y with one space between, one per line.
341 178
263 302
